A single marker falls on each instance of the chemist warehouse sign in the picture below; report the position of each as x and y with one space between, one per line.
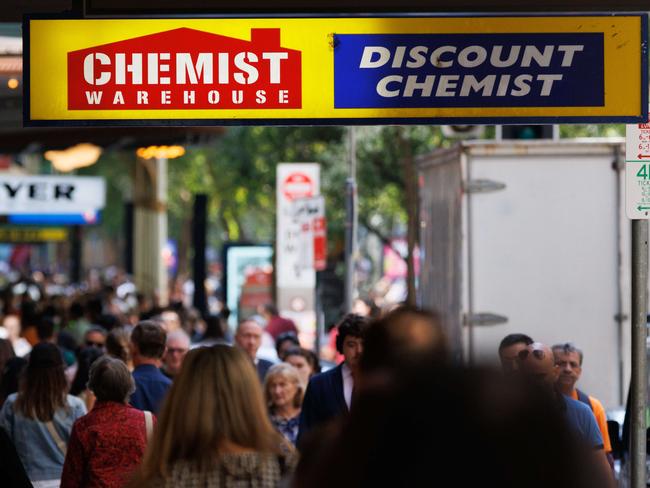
350 70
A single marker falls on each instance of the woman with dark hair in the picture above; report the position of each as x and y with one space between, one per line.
107 444
39 417
10 374
306 363
6 352
117 345
79 388
214 431
284 342
215 332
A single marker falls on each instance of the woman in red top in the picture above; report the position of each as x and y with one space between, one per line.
108 443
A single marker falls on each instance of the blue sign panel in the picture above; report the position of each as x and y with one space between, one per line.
469 70
88 218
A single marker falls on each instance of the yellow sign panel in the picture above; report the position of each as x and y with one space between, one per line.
47 234
337 70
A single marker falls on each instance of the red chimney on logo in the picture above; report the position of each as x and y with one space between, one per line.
186 69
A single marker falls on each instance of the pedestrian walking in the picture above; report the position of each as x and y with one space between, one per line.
509 348
569 359
108 443
305 361
248 337
214 431
283 392
148 341
329 394
538 363
39 417
178 343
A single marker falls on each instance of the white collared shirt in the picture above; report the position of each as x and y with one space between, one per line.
348 384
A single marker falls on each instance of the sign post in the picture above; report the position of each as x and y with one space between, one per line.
637 198
295 282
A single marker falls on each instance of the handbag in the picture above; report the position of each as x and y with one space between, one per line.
56 437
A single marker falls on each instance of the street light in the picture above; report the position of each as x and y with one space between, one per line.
79 156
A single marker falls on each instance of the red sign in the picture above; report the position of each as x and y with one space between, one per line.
186 69
320 243
298 185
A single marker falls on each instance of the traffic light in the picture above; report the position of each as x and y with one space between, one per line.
526 132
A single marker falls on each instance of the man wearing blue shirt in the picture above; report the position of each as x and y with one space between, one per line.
148 341
538 362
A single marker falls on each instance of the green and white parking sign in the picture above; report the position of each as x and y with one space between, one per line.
637 171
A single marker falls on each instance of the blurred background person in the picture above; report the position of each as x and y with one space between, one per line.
178 344
12 327
283 392
276 325
107 444
215 332
79 388
6 353
284 342
148 343
409 394
214 430
249 339
509 349
39 417
95 336
538 366
117 345
10 376
305 361
12 471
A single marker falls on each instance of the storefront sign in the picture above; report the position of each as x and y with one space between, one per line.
16 235
480 69
45 194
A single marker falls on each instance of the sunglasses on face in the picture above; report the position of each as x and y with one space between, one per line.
94 344
536 353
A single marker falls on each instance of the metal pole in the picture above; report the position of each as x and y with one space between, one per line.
350 223
470 270
639 382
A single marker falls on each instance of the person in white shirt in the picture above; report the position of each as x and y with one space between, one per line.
11 327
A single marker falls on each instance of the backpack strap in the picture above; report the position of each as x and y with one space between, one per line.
584 398
148 425
56 437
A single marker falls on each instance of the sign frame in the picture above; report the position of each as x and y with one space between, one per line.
403 120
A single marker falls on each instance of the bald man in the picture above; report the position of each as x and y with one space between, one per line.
538 362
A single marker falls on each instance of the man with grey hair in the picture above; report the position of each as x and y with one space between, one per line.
568 358
178 343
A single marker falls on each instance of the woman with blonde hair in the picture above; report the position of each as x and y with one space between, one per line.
283 392
213 431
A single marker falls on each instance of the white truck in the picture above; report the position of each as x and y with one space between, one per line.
531 237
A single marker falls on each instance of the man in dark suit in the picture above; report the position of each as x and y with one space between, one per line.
329 394
249 338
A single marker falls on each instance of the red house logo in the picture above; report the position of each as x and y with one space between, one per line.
186 69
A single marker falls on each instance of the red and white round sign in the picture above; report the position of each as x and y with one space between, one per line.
298 185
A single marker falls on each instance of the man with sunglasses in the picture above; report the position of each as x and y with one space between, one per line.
538 363
569 359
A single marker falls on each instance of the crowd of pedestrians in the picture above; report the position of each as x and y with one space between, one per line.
94 398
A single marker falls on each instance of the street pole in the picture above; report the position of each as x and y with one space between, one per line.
350 223
639 382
